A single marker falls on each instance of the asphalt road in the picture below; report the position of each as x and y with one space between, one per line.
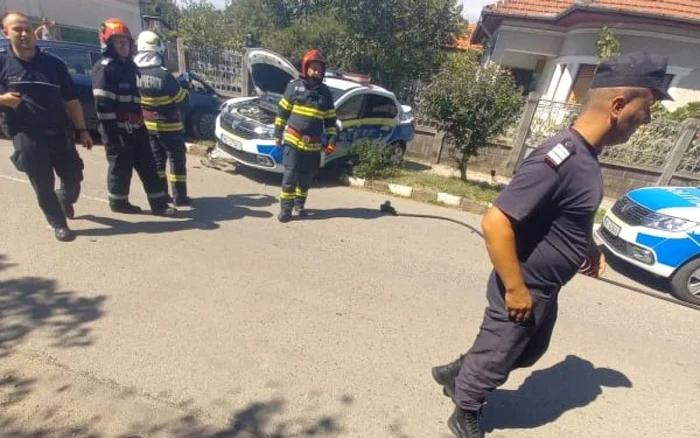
224 323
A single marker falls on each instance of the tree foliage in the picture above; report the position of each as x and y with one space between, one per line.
473 103
608 45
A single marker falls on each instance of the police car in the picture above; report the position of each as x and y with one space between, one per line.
245 126
658 229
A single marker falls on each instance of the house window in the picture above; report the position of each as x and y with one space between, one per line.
582 83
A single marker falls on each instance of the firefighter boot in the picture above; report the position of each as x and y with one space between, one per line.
286 206
124 207
64 234
299 203
446 375
465 424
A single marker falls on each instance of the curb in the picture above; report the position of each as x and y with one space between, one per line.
417 194
420 195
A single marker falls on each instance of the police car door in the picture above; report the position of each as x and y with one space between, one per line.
378 118
348 115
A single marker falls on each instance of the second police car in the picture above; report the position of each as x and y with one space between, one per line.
658 230
245 125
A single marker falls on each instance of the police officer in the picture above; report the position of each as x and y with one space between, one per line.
539 234
305 114
118 105
40 100
163 102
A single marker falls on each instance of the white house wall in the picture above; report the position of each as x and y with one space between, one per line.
85 14
513 41
687 90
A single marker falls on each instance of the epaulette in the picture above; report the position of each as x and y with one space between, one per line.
560 153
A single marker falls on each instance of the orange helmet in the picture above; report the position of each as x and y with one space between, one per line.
111 27
313 55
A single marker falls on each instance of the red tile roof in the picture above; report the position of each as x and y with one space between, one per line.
464 41
689 9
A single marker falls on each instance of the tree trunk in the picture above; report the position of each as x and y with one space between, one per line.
462 170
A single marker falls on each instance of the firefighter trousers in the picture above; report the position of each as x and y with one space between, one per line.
128 152
502 345
170 147
39 155
300 167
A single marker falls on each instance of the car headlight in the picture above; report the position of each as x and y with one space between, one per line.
264 132
669 223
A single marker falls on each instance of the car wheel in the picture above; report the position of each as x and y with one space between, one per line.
396 151
685 283
201 124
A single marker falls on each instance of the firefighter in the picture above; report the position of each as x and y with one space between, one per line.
124 134
305 114
163 102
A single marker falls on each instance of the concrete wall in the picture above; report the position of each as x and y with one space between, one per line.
85 14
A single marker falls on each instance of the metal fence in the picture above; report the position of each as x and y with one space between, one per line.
222 71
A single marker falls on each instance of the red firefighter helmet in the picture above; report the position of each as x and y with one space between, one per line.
111 27
310 56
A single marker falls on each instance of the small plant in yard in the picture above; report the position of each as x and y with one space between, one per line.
368 159
474 103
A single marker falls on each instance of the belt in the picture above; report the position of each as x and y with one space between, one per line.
129 121
305 138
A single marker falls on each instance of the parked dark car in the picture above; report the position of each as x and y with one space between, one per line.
79 58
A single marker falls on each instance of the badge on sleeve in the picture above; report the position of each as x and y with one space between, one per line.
559 154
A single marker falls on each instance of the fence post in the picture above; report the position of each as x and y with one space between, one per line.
688 132
518 151
438 143
246 82
181 56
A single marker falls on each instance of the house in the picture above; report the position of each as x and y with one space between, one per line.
78 20
463 42
551 45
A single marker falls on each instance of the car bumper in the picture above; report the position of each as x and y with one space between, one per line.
624 241
257 153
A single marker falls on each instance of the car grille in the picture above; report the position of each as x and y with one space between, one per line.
238 126
630 212
613 241
246 157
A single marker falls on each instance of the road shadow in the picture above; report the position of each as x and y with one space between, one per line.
28 304
548 394
414 166
206 214
257 419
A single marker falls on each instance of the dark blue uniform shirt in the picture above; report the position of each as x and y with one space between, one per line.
553 200
44 84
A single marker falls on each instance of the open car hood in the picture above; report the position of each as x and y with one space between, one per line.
269 71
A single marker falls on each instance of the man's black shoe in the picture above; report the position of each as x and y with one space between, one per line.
68 210
64 234
125 208
183 202
465 424
446 375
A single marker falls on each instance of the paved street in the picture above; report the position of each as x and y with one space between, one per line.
224 323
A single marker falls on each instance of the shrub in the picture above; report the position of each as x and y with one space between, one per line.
369 159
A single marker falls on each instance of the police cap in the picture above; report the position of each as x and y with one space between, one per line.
636 69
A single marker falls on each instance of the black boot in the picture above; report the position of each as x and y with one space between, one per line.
164 211
183 202
446 375
124 207
64 234
465 424
299 207
286 206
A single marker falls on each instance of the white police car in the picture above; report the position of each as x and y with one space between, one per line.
658 230
245 126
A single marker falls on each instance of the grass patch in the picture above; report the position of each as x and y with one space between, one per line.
475 190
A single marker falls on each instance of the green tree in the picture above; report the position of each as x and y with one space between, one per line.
608 45
473 103
204 27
